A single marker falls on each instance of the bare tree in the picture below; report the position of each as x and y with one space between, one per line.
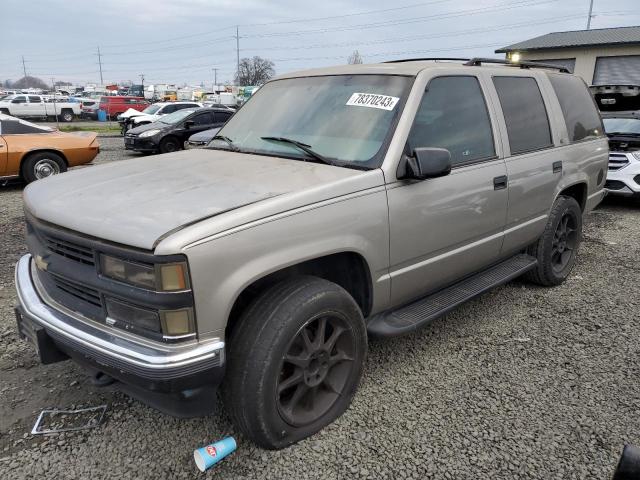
254 71
355 58
30 82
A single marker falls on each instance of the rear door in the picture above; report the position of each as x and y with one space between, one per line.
3 154
534 168
445 228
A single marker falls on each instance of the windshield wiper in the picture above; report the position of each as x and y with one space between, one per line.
302 146
224 138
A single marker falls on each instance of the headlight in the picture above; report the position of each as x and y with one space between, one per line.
163 277
168 324
636 155
149 133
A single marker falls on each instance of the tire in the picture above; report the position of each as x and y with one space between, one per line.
41 165
4 111
269 362
66 116
170 144
557 248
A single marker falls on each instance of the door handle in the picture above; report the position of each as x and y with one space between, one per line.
500 183
557 167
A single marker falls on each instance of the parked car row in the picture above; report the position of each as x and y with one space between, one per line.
170 132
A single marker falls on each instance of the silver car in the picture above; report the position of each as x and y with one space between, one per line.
338 203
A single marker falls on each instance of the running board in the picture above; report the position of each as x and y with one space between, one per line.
410 317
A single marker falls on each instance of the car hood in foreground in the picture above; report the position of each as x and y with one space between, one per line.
138 202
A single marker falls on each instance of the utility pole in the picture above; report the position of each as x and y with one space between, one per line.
55 108
237 55
100 65
590 15
24 68
215 77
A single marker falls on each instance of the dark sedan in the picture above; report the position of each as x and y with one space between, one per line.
169 133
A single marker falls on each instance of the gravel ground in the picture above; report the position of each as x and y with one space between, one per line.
524 382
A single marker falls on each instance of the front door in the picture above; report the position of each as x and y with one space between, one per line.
201 122
445 228
19 106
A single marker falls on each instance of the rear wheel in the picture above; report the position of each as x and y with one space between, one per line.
66 115
295 361
170 144
557 248
41 165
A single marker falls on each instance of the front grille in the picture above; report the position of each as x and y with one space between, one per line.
617 161
79 291
70 250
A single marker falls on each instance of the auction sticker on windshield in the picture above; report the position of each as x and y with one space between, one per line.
372 100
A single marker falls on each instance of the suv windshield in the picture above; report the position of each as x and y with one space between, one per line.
629 126
150 110
346 118
176 117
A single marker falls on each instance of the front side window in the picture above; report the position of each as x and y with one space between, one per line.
203 119
222 117
168 109
19 100
453 115
524 113
578 108
347 119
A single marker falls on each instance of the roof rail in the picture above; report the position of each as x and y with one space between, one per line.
476 62
426 59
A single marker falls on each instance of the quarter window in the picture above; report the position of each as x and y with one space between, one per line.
524 113
578 108
453 115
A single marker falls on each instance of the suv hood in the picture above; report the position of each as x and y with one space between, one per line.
138 202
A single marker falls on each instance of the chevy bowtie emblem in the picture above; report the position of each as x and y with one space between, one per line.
41 263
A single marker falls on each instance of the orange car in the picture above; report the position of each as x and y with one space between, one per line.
31 151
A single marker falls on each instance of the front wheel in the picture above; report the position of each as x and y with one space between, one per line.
42 165
169 144
295 361
557 248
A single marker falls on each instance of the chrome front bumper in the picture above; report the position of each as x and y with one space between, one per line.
103 346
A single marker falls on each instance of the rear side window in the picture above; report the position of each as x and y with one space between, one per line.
453 115
524 112
222 117
578 108
33 99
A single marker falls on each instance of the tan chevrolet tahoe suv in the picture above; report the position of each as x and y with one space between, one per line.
336 204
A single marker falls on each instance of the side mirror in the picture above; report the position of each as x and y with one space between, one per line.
189 123
425 163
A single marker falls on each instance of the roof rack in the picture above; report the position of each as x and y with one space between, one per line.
476 62
427 59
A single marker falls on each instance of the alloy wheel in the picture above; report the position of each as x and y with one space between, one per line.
565 241
315 369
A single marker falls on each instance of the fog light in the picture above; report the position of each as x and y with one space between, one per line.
177 322
174 277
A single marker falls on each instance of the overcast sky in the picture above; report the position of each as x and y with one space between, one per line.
181 41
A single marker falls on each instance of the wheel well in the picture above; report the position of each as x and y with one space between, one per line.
577 191
33 152
347 269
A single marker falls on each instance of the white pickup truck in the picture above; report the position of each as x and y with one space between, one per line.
23 105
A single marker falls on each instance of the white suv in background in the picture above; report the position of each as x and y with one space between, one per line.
623 130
